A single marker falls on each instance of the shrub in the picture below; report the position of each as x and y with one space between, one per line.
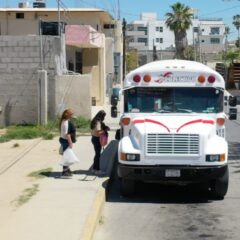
82 123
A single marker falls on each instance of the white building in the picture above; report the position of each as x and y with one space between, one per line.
206 35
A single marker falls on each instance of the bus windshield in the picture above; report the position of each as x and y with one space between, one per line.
173 100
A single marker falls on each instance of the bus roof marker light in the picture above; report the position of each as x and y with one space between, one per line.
137 78
201 79
211 79
147 78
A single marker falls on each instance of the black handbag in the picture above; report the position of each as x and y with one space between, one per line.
72 131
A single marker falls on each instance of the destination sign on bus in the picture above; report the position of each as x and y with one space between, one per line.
169 77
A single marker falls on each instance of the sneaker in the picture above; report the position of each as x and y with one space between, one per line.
100 172
66 174
93 171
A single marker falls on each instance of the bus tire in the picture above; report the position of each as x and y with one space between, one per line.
220 186
127 187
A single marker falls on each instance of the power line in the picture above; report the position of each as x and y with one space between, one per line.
219 11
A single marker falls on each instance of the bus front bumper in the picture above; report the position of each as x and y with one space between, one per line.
176 173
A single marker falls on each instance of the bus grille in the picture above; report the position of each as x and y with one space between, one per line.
187 144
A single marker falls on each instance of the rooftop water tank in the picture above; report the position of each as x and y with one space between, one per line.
23 4
39 4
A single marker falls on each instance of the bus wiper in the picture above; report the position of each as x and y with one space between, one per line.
184 110
163 111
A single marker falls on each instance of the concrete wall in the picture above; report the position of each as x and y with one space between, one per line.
109 55
94 62
20 60
73 91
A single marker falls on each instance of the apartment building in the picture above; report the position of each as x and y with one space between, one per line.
90 48
206 35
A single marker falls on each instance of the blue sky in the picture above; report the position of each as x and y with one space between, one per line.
131 9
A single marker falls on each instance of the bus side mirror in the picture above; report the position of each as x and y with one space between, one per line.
113 111
232 113
232 101
114 100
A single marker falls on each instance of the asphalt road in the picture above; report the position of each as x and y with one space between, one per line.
174 212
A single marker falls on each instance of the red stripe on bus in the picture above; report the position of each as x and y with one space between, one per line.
152 121
196 121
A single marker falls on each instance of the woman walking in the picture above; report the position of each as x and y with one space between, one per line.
97 128
67 136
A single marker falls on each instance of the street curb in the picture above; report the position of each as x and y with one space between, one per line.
94 216
99 201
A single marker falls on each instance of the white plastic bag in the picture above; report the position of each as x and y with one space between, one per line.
60 151
68 158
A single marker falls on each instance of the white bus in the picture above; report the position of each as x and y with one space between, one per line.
173 126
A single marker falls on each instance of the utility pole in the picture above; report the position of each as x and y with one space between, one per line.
41 44
124 23
59 18
199 43
194 45
154 52
118 10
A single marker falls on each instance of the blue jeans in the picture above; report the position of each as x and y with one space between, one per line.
65 145
97 148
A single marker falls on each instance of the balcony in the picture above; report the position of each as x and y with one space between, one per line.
135 33
83 36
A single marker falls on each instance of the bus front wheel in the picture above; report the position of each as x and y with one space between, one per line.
219 187
127 187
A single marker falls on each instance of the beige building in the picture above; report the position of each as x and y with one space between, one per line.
92 40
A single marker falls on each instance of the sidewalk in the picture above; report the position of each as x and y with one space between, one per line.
62 208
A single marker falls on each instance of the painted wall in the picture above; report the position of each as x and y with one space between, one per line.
10 25
73 91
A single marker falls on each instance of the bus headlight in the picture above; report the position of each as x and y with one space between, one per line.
129 157
215 158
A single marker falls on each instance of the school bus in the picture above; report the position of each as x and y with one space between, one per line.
173 126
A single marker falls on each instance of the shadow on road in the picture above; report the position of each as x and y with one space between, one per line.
159 193
59 174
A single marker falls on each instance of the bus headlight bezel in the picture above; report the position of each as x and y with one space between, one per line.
215 157
130 157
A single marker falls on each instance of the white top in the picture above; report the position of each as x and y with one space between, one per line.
64 129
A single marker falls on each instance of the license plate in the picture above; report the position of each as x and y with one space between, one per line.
172 173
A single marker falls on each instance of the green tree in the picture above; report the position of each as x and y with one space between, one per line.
189 53
132 59
179 21
236 23
233 55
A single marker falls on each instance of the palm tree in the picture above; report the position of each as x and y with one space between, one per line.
226 33
236 23
179 20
